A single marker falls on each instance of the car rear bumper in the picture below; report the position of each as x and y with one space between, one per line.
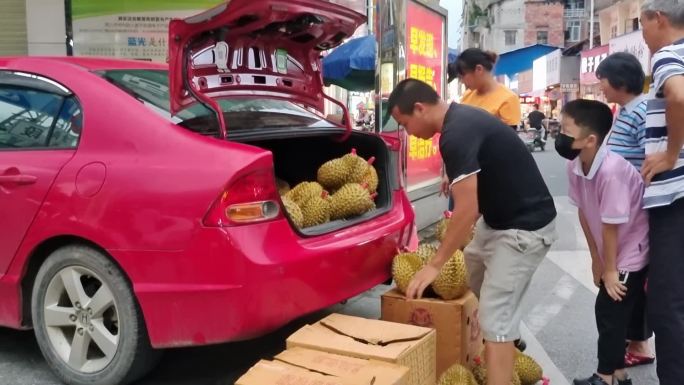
242 282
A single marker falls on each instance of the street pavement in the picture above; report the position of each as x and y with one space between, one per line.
559 324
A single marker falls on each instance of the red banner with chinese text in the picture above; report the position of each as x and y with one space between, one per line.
425 62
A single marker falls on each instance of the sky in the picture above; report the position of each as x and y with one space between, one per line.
455 8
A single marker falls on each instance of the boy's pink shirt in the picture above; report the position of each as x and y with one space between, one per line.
612 192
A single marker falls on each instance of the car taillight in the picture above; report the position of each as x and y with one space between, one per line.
249 199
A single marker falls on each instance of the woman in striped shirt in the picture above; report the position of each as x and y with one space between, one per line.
622 82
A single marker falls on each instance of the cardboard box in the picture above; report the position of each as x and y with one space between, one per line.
274 372
405 345
459 339
356 370
299 366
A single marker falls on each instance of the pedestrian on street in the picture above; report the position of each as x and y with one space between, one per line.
608 193
474 69
483 158
622 82
663 170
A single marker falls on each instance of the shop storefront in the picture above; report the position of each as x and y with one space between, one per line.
589 84
419 51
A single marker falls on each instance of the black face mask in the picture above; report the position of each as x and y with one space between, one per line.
564 147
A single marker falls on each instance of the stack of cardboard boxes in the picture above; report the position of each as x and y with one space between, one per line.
413 344
345 350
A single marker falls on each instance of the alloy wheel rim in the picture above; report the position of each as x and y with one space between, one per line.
81 319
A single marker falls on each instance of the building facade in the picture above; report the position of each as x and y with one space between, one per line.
542 23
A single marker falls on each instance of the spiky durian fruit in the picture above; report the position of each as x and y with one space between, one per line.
304 191
316 210
480 373
452 281
283 186
426 251
404 267
294 211
361 171
527 369
457 375
371 178
350 200
333 174
440 230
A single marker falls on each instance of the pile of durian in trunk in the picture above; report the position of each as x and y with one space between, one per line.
346 187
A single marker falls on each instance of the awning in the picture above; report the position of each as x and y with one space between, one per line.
352 65
521 60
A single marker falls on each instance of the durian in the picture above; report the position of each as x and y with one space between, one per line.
304 191
527 369
457 375
404 267
333 174
480 373
452 281
371 178
426 251
351 200
316 210
361 171
440 231
283 187
294 211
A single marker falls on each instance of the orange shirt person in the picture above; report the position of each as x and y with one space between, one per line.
474 68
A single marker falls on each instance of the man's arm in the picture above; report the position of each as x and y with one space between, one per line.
462 220
611 279
674 115
466 211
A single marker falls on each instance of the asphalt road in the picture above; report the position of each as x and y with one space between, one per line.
559 323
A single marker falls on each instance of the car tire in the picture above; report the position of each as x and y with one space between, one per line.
87 321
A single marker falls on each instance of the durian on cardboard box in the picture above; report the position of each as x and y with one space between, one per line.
405 345
459 339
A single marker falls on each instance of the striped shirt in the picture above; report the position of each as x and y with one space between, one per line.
628 135
666 187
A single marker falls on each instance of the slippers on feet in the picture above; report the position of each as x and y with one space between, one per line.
632 360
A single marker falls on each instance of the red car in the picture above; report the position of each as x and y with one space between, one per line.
139 202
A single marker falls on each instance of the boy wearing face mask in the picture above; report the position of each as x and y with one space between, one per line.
608 192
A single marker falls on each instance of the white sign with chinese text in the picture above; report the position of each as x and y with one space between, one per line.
635 44
141 36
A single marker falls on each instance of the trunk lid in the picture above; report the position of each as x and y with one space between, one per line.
267 49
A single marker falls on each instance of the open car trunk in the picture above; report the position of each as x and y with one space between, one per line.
297 158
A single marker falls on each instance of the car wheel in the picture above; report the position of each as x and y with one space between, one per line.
86 320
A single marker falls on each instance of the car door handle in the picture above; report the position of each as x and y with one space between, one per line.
18 179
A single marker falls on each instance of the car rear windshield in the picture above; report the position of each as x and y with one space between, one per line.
151 87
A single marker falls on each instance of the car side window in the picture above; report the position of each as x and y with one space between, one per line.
36 113
67 129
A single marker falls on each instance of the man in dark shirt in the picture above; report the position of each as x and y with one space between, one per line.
491 174
536 119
